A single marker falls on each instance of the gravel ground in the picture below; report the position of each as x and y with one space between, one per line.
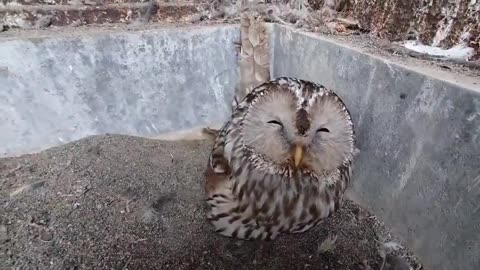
122 202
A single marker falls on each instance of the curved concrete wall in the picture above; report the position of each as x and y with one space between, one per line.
418 130
419 136
62 88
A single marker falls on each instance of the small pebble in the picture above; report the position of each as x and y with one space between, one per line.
396 263
3 234
46 236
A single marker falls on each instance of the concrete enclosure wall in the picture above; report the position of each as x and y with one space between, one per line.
418 130
59 89
419 137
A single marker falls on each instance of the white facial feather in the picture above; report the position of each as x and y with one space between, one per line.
325 150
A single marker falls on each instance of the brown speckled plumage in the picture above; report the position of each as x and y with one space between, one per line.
255 189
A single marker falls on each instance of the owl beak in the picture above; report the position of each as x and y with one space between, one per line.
298 155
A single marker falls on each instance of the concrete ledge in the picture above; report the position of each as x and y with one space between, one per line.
419 135
59 89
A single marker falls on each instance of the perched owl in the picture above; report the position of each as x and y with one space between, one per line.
282 162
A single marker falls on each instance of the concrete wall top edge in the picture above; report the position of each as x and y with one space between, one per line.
113 31
470 83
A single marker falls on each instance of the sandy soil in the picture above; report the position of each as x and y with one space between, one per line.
121 202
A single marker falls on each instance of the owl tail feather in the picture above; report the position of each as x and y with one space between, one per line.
210 133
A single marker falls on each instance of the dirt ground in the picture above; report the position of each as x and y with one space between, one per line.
122 202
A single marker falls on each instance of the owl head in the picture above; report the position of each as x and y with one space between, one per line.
296 124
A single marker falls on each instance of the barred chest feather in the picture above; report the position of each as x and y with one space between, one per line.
256 205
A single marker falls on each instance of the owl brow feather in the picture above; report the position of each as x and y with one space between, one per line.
302 121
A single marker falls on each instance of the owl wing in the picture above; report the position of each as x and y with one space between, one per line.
341 186
218 170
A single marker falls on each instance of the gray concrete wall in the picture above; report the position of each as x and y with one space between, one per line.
418 129
62 88
419 136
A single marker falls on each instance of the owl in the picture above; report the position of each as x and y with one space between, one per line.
281 163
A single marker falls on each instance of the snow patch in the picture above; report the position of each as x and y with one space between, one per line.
458 52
